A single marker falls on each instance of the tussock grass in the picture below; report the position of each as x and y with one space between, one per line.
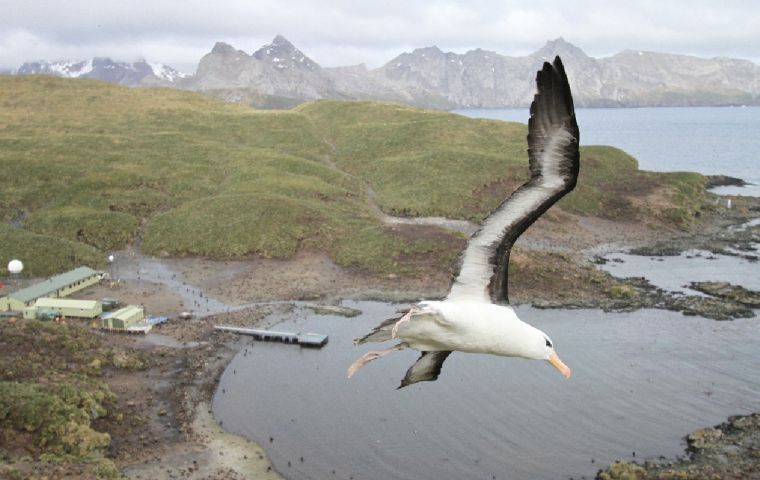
45 255
423 162
51 391
96 165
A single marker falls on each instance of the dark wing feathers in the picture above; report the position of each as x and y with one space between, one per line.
554 161
381 333
552 110
426 368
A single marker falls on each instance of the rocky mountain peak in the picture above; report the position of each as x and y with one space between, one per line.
417 58
222 48
427 53
283 55
559 46
433 50
282 42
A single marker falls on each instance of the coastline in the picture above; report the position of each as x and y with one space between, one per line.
177 436
707 236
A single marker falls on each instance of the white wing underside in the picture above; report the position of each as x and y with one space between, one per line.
476 271
553 153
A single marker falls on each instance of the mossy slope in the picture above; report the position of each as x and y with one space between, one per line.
102 166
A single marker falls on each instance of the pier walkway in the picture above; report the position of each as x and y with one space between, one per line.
304 339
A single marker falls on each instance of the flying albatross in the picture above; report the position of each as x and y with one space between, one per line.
475 316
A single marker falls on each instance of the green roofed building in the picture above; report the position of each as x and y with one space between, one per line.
58 286
47 307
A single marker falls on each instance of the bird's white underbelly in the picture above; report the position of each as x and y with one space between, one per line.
430 333
472 327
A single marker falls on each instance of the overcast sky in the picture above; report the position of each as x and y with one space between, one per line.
345 32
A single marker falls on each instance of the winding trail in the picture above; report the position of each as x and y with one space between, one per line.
462 226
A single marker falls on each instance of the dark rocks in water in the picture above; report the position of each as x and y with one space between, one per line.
735 293
729 450
622 471
724 181
659 249
320 309
715 308
637 292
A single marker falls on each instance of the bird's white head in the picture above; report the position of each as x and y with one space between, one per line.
514 337
548 354
521 339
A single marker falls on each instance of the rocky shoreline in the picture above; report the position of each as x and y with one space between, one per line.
731 233
730 450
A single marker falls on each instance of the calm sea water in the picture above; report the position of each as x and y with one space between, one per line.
709 140
641 381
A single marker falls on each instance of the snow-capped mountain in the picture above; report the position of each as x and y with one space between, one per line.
283 54
280 74
136 73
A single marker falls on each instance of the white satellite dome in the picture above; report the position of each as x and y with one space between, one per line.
15 266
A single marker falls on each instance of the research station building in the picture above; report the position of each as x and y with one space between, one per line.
54 287
46 308
129 318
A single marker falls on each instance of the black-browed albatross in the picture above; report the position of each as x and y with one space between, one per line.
475 317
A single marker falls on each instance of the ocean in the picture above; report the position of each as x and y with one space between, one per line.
708 140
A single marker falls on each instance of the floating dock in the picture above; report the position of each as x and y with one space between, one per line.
314 340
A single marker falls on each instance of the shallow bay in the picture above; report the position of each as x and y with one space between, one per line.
642 380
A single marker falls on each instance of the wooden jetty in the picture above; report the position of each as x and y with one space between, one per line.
315 340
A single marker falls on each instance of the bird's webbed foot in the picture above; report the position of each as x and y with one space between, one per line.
373 355
407 316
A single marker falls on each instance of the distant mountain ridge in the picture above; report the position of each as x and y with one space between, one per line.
279 74
103 68
479 78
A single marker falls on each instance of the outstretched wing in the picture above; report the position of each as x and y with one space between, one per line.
553 153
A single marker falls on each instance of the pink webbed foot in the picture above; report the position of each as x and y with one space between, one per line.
404 319
372 355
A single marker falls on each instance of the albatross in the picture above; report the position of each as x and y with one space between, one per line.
475 317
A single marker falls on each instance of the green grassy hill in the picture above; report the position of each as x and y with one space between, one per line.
91 167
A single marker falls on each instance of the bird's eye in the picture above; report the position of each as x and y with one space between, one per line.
548 343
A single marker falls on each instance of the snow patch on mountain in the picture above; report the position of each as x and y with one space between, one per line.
165 72
103 69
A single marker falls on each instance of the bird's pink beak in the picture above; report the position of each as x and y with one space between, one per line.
557 363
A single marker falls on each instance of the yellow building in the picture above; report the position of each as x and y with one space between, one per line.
58 286
64 307
129 318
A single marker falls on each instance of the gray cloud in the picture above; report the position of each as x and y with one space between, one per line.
342 32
